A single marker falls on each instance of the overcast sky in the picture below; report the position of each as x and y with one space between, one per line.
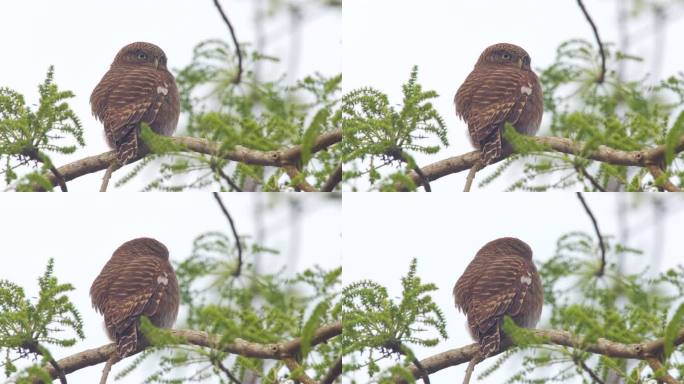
384 39
443 232
81 232
81 37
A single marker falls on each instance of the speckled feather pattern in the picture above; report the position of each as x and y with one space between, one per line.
131 93
137 280
495 93
501 280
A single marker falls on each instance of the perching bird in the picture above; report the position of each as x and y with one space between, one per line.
500 281
501 88
137 281
137 88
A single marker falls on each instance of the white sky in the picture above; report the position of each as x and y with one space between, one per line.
81 233
444 233
83 40
384 39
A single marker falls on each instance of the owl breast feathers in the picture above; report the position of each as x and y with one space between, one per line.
500 281
137 281
501 88
137 89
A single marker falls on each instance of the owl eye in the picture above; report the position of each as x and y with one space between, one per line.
142 56
506 56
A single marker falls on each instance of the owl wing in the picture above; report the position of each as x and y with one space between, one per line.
137 289
124 98
486 100
500 290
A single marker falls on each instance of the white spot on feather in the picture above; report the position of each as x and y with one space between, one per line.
527 90
163 90
163 279
526 279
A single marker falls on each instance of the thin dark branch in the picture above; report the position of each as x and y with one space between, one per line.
400 155
397 347
333 373
38 157
589 371
238 269
333 180
238 52
218 169
599 273
34 347
225 370
582 171
602 75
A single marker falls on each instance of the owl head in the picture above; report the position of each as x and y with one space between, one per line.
142 246
505 54
141 53
505 246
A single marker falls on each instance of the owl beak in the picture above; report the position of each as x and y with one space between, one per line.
520 63
156 62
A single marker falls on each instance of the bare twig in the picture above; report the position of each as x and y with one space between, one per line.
588 370
301 182
583 172
333 180
400 155
219 364
602 346
640 158
471 367
238 268
333 373
277 158
108 367
36 348
238 52
656 366
38 157
657 173
397 347
277 351
471 175
602 267
218 169
108 175
602 75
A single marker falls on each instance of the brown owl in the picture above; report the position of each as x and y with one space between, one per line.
501 88
137 88
137 281
500 281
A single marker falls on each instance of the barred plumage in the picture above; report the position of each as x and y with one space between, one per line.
501 280
137 88
137 281
501 88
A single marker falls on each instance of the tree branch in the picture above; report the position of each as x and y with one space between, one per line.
276 351
640 158
641 351
656 172
656 366
277 158
334 372
602 267
238 268
238 52
333 180
301 376
302 184
601 75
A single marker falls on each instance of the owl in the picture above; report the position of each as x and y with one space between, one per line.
500 281
501 88
137 281
137 88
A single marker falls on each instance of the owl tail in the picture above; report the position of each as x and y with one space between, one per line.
491 147
490 342
127 146
127 341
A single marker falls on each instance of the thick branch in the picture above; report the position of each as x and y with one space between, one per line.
277 351
641 351
640 158
277 158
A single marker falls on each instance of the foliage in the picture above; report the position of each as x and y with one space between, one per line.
26 326
377 135
376 326
28 135
262 308
260 115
